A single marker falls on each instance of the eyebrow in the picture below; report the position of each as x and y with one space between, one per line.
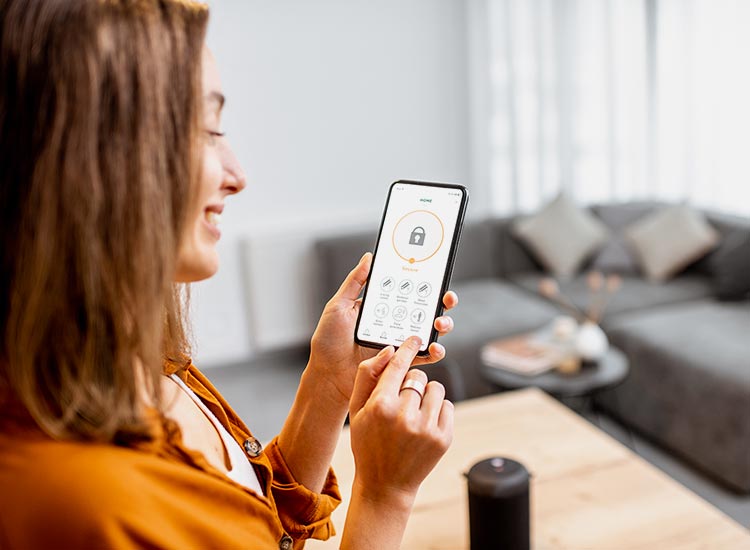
217 97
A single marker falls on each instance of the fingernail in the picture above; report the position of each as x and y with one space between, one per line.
415 341
384 351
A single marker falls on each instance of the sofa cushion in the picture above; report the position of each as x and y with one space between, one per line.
689 383
670 239
488 309
731 267
635 293
725 224
561 235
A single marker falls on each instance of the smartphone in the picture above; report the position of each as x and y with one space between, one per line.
412 264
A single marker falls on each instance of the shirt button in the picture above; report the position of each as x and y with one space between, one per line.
253 448
286 543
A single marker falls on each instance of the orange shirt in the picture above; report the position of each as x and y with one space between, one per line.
160 494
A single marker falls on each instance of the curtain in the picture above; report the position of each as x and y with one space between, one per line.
616 100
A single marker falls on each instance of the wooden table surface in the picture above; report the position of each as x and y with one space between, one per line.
587 491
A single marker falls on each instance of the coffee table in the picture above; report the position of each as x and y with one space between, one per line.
592 378
587 490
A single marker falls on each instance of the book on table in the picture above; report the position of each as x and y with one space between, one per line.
526 354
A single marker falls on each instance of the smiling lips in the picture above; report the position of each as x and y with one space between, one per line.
213 218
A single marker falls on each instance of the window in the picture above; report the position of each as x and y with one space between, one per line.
618 100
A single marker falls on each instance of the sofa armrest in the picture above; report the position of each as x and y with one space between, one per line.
335 257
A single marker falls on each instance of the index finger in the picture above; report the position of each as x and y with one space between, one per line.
394 373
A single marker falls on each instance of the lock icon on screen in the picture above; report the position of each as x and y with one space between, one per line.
417 236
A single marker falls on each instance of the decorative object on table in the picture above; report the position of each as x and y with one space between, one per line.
564 329
590 343
550 289
570 365
566 342
499 511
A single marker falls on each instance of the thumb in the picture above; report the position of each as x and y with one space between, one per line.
352 285
368 374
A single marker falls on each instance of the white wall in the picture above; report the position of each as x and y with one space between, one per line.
329 101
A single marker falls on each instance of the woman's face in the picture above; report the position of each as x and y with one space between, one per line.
221 176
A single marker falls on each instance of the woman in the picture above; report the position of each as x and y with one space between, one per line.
113 176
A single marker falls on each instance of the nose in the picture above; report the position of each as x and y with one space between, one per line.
234 176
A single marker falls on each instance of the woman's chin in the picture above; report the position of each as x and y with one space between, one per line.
197 268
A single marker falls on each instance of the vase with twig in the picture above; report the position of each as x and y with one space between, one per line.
590 342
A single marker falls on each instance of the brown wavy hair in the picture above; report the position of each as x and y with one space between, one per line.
100 103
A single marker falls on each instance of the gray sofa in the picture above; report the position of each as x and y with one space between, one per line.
689 383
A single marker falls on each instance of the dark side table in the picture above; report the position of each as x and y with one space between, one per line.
568 388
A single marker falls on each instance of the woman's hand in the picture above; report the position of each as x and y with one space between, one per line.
397 437
310 434
397 434
334 354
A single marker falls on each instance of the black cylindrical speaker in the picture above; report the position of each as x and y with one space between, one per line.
499 516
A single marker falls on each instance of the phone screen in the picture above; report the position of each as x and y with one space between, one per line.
412 262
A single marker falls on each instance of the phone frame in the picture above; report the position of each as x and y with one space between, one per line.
448 273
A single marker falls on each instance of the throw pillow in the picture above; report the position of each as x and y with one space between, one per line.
730 266
561 235
671 239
